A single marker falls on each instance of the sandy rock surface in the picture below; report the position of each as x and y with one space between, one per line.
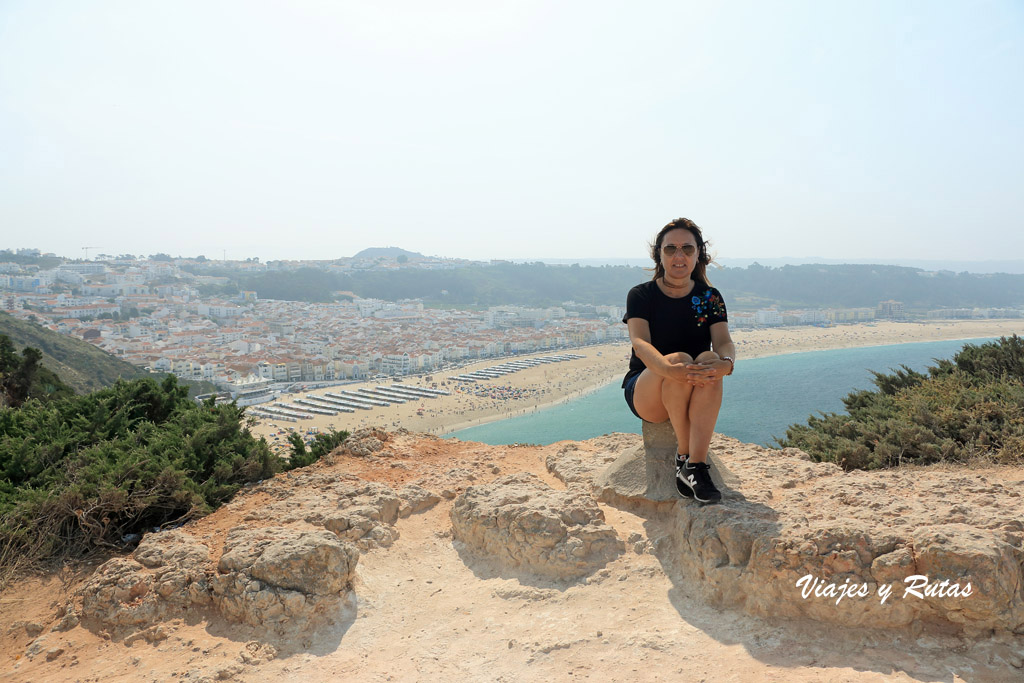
415 558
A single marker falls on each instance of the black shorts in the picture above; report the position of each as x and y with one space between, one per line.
628 389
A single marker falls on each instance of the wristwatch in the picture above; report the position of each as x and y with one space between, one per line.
732 364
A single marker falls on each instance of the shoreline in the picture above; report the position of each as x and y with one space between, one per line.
865 346
547 385
457 427
949 331
476 422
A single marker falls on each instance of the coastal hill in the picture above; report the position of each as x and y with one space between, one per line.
371 253
402 556
80 364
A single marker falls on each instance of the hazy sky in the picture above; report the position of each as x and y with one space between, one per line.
514 129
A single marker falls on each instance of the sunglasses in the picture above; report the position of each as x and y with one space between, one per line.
670 250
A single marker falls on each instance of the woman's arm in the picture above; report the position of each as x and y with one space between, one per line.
640 337
652 358
721 343
714 370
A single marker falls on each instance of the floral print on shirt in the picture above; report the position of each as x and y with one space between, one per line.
707 304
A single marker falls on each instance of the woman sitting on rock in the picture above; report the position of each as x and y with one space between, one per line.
681 351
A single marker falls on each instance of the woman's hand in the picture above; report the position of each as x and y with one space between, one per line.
699 374
679 372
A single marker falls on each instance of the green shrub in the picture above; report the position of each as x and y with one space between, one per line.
85 471
78 472
968 408
321 445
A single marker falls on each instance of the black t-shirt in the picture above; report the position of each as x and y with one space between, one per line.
682 324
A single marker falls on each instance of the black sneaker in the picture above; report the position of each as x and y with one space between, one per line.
684 490
697 477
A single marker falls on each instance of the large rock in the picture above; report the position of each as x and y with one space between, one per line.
314 562
646 473
877 529
365 442
171 548
578 466
272 575
788 524
415 499
523 525
267 575
166 573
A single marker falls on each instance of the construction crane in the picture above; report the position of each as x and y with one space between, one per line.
86 249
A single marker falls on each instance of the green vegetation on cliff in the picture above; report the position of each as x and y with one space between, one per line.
969 408
81 472
23 378
78 363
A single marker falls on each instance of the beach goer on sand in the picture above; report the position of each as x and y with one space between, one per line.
681 351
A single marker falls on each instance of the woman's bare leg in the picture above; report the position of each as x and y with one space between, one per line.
676 397
658 399
692 410
702 411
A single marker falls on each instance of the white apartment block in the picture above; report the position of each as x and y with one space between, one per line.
851 315
100 290
24 283
85 312
890 309
219 311
614 312
368 306
83 268
813 317
768 317
395 364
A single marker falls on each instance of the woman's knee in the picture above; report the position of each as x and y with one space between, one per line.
679 358
706 356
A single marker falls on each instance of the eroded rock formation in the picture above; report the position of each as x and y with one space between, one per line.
167 573
291 559
788 519
522 524
270 575
356 510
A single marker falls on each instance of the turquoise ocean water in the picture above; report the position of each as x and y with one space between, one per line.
762 398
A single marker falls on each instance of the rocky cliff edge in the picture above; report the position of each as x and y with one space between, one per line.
933 553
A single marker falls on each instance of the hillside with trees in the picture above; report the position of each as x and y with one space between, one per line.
23 377
866 285
539 284
80 364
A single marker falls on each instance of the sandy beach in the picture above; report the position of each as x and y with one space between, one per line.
468 403
545 385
